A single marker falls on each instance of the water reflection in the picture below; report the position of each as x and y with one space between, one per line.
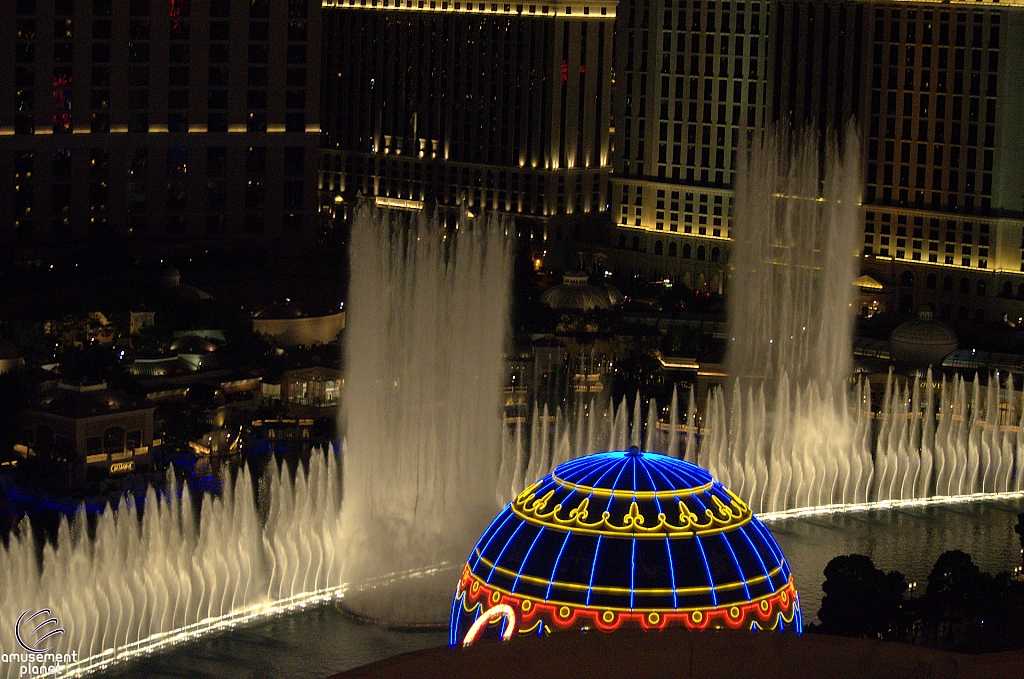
907 539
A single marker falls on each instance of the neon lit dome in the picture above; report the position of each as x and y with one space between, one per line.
619 539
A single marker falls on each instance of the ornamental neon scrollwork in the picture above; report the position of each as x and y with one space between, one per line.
721 517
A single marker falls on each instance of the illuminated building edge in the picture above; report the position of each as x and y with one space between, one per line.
474 598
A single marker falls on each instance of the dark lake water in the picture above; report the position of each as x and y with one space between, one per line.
315 644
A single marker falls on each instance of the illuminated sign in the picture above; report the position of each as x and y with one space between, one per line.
399 203
122 467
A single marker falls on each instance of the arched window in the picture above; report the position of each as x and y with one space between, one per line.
672 249
700 252
636 242
979 316
930 281
947 284
981 288
622 242
907 279
687 250
658 247
1007 289
715 254
965 286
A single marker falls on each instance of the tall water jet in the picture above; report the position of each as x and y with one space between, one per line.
425 340
794 259
790 322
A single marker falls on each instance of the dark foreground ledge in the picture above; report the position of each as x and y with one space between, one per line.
708 655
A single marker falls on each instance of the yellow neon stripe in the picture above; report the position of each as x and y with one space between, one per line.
639 495
554 602
620 590
622 533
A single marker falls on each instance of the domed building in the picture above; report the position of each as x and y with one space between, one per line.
922 341
172 281
576 292
171 276
624 539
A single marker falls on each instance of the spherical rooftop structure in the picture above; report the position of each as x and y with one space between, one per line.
576 292
922 341
171 276
619 539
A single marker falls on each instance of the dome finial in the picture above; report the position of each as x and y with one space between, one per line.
634 451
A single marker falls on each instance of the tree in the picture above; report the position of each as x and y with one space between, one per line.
863 601
953 600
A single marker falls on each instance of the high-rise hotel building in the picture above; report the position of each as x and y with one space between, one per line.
158 120
443 103
932 86
943 120
691 76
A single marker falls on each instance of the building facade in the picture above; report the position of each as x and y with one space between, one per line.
944 170
691 78
88 427
930 86
158 120
502 107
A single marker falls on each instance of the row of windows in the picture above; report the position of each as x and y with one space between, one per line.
459 174
960 109
297 9
710 22
63 29
933 258
177 121
950 247
141 225
292 193
138 76
178 53
902 178
921 199
98 162
469 6
686 251
937 131
938 154
964 287
908 30
907 57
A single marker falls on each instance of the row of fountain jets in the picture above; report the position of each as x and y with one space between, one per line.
926 439
174 564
